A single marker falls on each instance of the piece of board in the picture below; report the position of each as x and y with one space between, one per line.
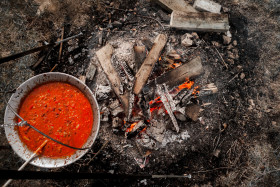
199 21
177 76
104 56
146 68
172 5
207 6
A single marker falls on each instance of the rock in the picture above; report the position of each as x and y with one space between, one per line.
242 75
192 111
225 10
91 70
77 55
228 34
117 24
216 44
274 123
117 122
195 36
234 43
186 40
117 111
227 40
230 55
71 61
217 153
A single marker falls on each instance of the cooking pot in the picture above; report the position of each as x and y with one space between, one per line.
12 134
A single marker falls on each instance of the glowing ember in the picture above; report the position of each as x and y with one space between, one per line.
129 129
175 65
188 84
143 130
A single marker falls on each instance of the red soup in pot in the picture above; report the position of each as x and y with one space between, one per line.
59 110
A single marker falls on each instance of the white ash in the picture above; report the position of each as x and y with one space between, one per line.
116 122
71 61
114 104
186 40
90 72
102 92
117 111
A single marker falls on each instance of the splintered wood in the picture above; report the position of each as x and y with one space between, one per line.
199 21
104 56
146 68
177 76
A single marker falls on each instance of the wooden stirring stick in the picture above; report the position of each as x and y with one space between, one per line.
27 161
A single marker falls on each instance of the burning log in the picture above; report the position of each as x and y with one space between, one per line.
177 76
164 98
146 68
135 128
104 56
199 21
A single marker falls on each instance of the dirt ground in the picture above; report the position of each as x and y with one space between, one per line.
242 123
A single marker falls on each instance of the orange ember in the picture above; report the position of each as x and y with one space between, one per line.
143 130
195 91
188 84
175 65
129 129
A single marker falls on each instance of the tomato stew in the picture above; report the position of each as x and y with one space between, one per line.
59 110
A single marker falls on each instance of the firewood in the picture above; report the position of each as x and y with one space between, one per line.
104 56
177 76
207 6
146 68
199 21
172 5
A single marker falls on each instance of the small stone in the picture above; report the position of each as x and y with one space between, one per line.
117 111
195 36
216 44
274 123
229 47
230 55
71 61
234 43
77 55
227 40
117 24
242 75
225 10
217 153
116 122
239 67
228 34
230 61
187 40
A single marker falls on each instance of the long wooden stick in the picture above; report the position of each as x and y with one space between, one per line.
27 161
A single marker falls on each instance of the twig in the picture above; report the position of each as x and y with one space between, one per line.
205 171
104 145
219 54
152 19
60 50
29 160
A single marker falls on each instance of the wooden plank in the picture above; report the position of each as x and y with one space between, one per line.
207 6
146 68
177 76
104 56
200 21
172 5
